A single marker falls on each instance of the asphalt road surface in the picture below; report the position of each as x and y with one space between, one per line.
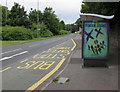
26 66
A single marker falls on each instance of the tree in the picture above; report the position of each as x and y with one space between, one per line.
78 24
4 15
85 8
35 16
62 25
74 27
104 8
18 16
40 30
68 27
51 21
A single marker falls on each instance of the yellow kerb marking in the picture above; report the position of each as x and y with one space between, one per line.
23 61
63 48
74 44
5 69
35 56
34 86
54 55
49 55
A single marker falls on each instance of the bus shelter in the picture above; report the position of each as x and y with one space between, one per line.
95 39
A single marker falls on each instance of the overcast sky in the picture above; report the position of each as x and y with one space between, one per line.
66 10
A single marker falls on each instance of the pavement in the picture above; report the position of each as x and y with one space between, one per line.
83 79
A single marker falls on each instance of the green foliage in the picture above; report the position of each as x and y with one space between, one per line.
51 21
3 15
62 32
35 16
104 8
85 8
36 23
40 30
0 33
16 33
72 27
46 33
18 16
0 15
68 27
43 31
78 24
62 25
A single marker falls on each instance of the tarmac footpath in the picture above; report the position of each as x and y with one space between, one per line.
87 79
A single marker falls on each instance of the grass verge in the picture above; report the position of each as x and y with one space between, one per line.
6 43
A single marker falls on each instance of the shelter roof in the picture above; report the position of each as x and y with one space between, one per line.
97 15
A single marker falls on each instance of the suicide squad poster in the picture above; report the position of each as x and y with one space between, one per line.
95 39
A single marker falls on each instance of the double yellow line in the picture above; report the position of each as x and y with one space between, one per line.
34 86
5 69
74 44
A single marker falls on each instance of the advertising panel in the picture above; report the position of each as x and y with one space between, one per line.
95 39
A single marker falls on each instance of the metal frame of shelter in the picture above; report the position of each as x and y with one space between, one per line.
94 18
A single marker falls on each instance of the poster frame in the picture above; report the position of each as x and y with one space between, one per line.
108 28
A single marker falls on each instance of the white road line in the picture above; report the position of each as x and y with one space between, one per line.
11 51
13 56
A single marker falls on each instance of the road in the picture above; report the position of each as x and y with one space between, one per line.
26 66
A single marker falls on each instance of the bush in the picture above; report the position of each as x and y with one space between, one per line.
16 33
62 32
41 30
46 33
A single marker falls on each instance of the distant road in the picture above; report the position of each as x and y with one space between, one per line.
25 66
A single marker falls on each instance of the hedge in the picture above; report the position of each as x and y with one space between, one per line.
62 32
16 33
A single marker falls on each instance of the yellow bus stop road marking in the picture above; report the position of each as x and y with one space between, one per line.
34 86
74 44
24 61
5 69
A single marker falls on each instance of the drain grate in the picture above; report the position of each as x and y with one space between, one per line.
61 80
